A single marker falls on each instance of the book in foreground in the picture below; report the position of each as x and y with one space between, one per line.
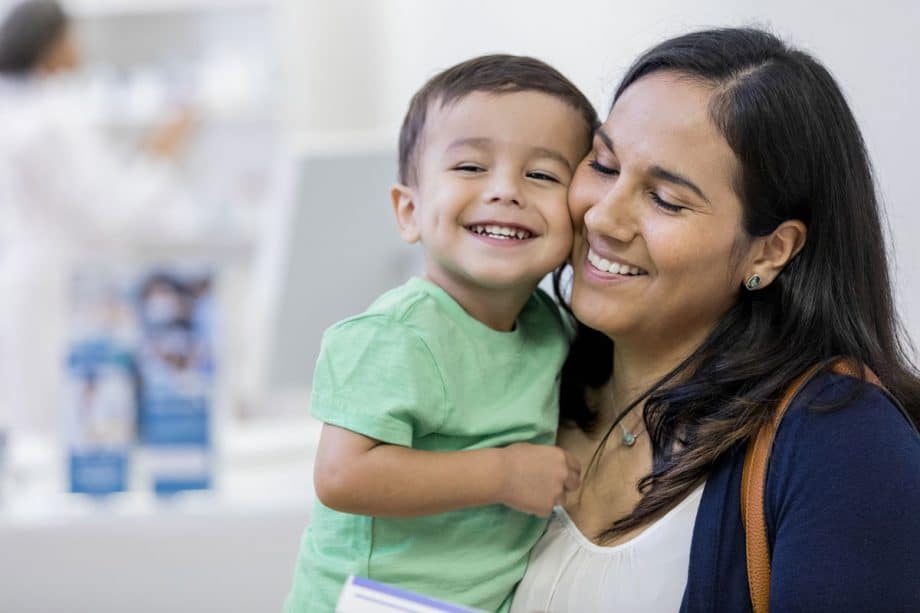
362 595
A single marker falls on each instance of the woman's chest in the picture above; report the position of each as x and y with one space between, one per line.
609 488
568 572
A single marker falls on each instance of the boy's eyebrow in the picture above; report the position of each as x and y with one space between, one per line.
553 155
485 143
657 171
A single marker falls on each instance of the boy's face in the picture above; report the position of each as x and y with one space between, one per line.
490 201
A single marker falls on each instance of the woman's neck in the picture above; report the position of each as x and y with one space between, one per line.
638 366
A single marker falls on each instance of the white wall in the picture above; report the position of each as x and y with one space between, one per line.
352 66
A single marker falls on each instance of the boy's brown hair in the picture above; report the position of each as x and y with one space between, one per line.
498 73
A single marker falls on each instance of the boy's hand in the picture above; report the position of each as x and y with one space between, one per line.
537 477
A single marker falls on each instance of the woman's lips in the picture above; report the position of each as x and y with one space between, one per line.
612 266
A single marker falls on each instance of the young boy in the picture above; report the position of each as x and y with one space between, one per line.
436 462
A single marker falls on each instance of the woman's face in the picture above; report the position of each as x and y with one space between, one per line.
659 253
63 55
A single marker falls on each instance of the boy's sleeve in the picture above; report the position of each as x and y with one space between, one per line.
377 377
557 313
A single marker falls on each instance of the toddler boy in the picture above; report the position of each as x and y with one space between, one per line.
436 465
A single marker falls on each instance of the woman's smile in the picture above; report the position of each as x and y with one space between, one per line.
612 265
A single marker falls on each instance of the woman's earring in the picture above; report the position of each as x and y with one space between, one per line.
753 282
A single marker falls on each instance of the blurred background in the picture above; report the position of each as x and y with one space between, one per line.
192 190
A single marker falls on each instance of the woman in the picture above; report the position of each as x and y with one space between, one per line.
731 174
66 192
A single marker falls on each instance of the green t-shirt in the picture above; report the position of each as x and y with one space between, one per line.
416 370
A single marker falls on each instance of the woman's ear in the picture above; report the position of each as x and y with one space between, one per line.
404 207
771 253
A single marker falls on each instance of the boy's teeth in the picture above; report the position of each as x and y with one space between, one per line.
616 268
500 232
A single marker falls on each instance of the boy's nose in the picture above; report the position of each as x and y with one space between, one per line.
500 199
503 191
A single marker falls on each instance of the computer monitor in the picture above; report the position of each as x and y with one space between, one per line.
339 250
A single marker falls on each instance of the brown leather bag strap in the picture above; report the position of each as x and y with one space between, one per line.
754 477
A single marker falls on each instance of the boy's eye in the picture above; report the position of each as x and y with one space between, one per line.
469 168
604 170
542 176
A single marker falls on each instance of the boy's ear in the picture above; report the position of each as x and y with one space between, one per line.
405 210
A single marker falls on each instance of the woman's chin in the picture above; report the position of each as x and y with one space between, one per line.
597 314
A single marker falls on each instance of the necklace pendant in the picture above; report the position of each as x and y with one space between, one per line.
629 439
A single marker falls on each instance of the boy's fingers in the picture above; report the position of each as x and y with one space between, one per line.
572 462
572 481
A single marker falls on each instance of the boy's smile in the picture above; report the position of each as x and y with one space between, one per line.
490 204
490 230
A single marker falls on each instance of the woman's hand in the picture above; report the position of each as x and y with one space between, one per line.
169 137
537 477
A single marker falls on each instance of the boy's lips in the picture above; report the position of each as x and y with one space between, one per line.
501 231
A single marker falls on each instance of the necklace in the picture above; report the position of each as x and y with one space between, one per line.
629 437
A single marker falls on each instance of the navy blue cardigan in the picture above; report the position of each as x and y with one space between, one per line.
842 506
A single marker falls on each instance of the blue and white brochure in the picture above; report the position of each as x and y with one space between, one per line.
100 413
176 364
362 595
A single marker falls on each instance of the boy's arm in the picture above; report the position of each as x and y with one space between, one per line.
360 475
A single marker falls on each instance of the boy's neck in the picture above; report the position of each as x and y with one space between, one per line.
495 308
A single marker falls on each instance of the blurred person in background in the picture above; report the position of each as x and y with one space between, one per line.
68 195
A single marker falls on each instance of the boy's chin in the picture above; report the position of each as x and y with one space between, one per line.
507 281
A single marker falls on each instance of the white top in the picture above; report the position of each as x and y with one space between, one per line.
66 191
568 573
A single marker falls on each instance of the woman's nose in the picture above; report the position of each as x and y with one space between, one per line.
613 215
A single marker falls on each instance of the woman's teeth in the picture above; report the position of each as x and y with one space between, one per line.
613 267
501 232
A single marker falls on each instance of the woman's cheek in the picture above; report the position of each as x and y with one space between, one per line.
579 200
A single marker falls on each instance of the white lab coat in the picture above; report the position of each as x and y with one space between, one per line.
66 194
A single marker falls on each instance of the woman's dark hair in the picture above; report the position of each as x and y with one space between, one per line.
800 156
27 34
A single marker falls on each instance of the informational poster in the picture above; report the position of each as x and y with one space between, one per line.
140 380
101 385
176 364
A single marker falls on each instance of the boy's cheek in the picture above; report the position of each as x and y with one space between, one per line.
564 245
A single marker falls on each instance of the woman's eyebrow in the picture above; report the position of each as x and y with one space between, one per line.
673 177
657 171
605 138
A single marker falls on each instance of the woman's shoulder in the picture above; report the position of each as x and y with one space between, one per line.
839 408
842 440
840 501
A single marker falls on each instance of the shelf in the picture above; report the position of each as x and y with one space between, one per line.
338 144
96 9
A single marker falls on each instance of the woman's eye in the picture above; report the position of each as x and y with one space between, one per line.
604 170
542 176
665 205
